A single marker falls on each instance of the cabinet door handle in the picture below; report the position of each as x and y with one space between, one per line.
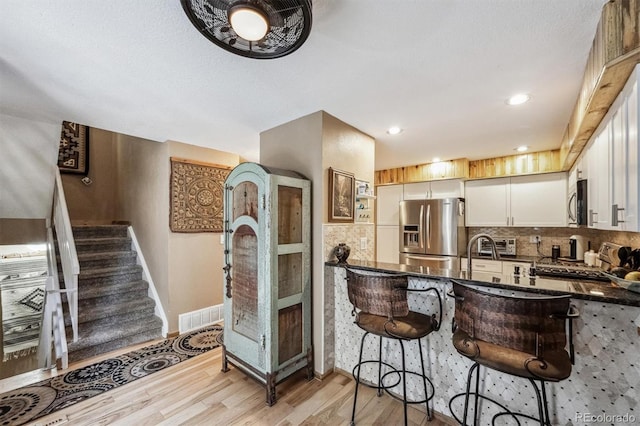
591 214
512 221
614 215
507 220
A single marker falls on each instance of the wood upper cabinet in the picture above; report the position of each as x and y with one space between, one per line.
267 301
535 200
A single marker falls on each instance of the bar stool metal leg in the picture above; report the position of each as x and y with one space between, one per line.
379 392
355 396
424 381
404 382
547 419
539 399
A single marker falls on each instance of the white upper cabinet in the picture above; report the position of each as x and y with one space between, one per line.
486 202
536 200
539 200
388 204
449 188
612 157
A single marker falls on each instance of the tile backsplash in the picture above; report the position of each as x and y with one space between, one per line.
352 235
559 236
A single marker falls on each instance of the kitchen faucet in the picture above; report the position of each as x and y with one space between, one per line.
494 250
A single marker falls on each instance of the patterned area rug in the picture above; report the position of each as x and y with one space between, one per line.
25 404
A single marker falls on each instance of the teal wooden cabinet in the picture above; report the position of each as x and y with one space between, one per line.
267 301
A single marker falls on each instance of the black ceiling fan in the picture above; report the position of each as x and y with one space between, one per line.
259 29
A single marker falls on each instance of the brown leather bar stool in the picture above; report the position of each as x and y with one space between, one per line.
520 336
381 309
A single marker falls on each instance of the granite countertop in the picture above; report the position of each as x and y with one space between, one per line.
589 290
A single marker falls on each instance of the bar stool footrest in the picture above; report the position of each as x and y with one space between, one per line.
428 397
381 386
505 412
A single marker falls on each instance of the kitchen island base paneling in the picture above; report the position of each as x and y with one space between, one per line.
605 379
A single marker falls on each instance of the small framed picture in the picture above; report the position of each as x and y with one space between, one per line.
342 189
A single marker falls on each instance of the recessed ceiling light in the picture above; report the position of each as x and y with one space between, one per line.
436 159
518 99
522 148
394 130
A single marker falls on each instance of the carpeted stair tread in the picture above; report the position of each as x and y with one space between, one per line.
113 299
103 314
105 335
106 259
108 271
98 291
89 245
114 308
99 231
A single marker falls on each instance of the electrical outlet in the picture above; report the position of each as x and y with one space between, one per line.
221 238
535 239
363 243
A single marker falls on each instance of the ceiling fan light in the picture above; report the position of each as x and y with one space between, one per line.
249 22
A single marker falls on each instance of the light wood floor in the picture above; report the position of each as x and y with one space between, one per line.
196 392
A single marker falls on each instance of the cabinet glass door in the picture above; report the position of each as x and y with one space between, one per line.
290 273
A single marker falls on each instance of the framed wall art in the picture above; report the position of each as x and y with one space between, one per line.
342 189
73 152
197 199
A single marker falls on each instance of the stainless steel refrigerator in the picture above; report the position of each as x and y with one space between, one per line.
432 233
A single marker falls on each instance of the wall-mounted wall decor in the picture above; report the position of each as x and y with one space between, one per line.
342 189
197 196
73 153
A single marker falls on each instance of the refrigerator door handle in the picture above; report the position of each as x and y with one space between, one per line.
429 226
420 236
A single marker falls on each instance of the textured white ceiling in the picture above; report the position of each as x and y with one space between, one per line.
439 69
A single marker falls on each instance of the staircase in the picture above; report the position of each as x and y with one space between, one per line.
114 310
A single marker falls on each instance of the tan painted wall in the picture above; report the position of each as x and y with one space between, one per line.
143 199
310 145
196 259
22 231
95 203
297 145
345 148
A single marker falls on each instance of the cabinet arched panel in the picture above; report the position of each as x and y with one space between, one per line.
245 282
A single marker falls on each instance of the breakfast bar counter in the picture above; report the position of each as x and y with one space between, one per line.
605 380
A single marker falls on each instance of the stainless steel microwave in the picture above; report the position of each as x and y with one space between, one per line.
577 204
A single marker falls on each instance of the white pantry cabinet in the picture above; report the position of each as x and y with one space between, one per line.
388 204
449 188
388 243
535 200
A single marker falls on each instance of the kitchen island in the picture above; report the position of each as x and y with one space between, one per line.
606 376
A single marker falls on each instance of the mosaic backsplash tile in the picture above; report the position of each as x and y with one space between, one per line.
604 383
351 234
558 236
